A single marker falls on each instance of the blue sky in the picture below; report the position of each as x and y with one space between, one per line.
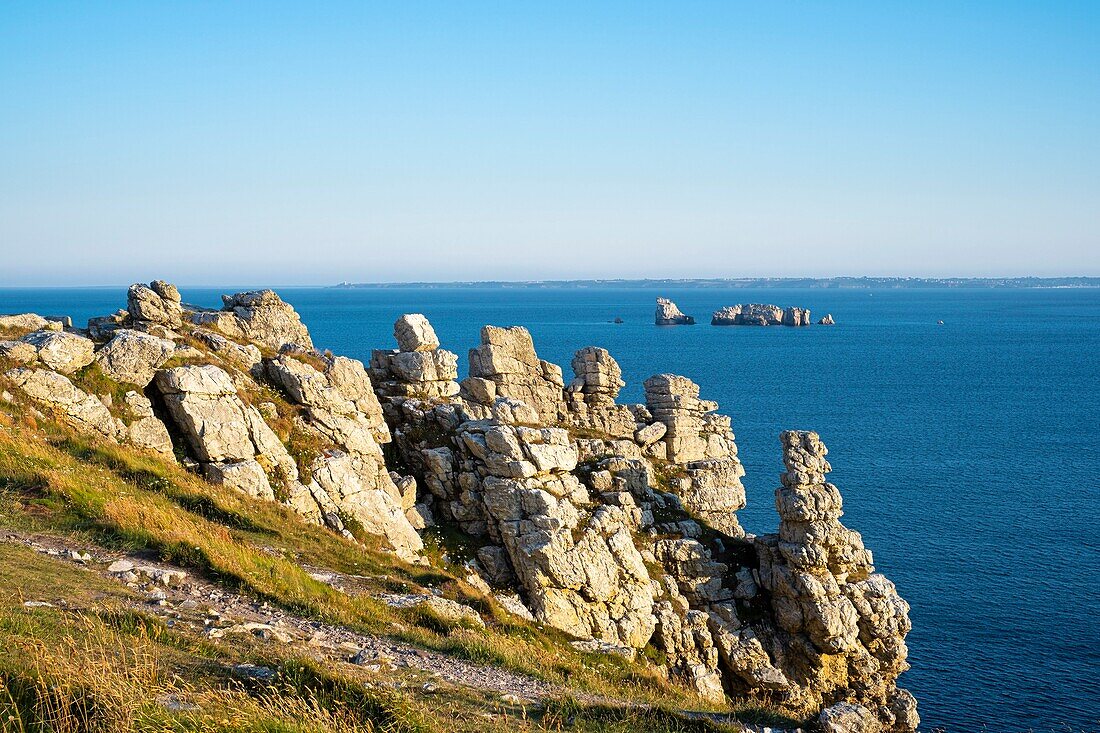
290 143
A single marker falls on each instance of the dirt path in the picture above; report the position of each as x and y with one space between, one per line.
194 604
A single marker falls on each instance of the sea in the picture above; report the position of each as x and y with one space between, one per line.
963 428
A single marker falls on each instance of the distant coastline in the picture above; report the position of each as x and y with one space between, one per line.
851 283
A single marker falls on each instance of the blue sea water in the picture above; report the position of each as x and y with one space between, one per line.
967 453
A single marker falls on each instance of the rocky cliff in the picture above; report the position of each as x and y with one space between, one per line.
614 523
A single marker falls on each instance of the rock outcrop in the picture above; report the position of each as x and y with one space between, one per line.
614 523
155 308
505 365
760 314
72 404
824 593
700 444
417 369
228 438
668 314
827 320
576 561
257 315
61 351
133 357
26 322
590 397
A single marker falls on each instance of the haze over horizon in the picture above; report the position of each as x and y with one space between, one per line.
208 143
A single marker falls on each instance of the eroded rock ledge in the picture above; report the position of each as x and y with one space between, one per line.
616 523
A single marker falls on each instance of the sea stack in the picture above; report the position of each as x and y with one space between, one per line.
760 314
669 315
827 320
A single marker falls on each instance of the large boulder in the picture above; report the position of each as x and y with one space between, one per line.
146 431
224 434
363 491
414 333
133 356
19 352
265 318
148 307
61 351
23 322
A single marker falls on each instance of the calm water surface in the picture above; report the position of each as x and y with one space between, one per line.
967 453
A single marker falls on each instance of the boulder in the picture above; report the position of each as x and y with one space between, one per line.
61 351
145 304
203 404
74 405
265 318
444 608
133 356
846 717
362 489
147 431
23 322
18 351
414 333
102 328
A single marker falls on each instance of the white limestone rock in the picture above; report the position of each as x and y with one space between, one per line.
77 407
133 357
414 333
668 314
145 304
265 318
506 357
61 351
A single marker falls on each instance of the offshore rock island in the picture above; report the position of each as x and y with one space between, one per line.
613 523
759 314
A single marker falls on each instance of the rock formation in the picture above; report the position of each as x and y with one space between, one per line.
155 308
61 351
227 437
418 368
56 392
760 314
827 320
590 397
505 365
669 315
133 356
615 523
258 315
849 622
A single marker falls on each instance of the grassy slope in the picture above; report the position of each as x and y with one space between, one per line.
55 481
